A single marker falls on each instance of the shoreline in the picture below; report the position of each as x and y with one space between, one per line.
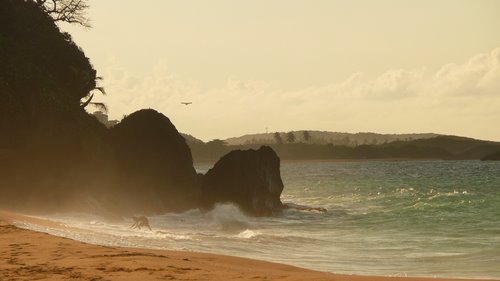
27 255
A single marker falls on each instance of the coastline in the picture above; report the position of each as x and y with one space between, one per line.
346 160
29 255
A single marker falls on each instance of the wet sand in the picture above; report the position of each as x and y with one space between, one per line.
30 255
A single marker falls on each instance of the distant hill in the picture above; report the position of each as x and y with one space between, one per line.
461 147
325 137
388 146
492 157
457 147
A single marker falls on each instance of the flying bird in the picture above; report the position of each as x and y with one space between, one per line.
186 102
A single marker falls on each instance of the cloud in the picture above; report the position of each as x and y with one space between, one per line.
479 76
393 84
460 98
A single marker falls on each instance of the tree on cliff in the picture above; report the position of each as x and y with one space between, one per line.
70 11
290 137
277 138
307 136
42 70
75 11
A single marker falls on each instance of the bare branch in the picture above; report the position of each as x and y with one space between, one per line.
70 11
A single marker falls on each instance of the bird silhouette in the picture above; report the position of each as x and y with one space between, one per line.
186 102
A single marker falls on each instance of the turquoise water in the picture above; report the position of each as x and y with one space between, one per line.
420 218
410 218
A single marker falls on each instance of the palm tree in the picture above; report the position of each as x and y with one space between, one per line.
90 95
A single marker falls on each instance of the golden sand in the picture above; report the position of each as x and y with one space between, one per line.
30 255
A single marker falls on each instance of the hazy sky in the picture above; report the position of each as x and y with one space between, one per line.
382 66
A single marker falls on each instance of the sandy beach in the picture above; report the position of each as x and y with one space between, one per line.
30 255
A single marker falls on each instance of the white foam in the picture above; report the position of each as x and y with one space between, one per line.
228 217
175 236
248 233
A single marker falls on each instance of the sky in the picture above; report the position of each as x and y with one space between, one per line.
385 66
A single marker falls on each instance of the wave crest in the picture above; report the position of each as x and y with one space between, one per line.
228 217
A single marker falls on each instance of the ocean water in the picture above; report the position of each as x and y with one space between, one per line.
405 218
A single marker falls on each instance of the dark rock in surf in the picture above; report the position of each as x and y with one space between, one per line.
250 178
153 165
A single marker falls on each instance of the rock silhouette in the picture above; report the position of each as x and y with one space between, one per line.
249 178
153 165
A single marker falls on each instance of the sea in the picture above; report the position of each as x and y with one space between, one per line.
386 218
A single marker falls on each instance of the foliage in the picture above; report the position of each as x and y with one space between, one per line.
277 138
40 63
306 136
46 135
290 137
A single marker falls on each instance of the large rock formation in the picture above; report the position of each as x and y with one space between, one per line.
250 178
153 165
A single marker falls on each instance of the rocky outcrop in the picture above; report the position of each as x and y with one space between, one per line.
250 178
153 165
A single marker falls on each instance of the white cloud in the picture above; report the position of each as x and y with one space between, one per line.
479 76
458 98
393 84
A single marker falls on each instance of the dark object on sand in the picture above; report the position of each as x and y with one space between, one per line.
140 221
250 178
